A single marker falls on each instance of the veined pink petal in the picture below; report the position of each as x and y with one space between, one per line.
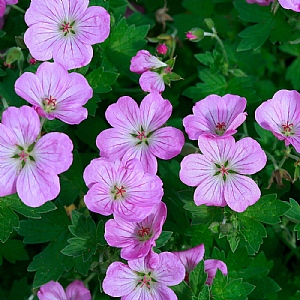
94 27
35 187
29 88
211 266
119 281
9 171
51 290
72 53
196 125
53 153
170 270
195 168
290 4
45 36
155 111
166 142
77 291
152 82
124 114
210 192
218 150
2 7
191 257
295 141
70 115
240 192
248 158
24 122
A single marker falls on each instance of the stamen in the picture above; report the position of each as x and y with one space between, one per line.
287 127
66 27
144 231
145 281
224 171
23 156
220 127
120 191
141 135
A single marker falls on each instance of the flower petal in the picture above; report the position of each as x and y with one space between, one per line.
240 192
77 291
51 290
152 82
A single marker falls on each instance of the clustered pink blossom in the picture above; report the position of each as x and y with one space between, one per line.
55 93
54 291
138 133
281 115
65 31
29 164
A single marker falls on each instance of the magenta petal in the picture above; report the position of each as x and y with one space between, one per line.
211 266
41 40
2 7
248 158
124 114
152 82
35 187
77 291
155 111
29 88
166 142
9 171
240 192
72 53
24 122
53 152
210 192
51 290
191 257
170 270
119 281
94 26
290 4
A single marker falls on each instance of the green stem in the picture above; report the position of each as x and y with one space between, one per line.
132 7
18 8
271 157
4 102
245 129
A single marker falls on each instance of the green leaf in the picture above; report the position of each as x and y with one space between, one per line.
197 278
293 73
204 293
92 105
200 234
13 250
101 80
47 264
253 232
2 73
2 33
8 220
293 50
205 58
82 226
266 136
267 209
264 286
254 37
294 212
46 229
163 238
19 290
182 290
223 289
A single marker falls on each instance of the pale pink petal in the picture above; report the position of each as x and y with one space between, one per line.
240 119
35 187
218 150
76 9
170 270
195 168
166 142
240 192
210 192
51 291
24 122
290 4
70 115
248 157
71 53
152 82
53 152
191 257
77 291
295 141
41 40
211 266
94 26
120 280
155 111
195 126
260 2
10 2
29 88
9 171
124 114
160 291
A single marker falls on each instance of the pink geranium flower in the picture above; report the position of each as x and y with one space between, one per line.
143 61
55 93
215 117
65 31
191 257
136 238
137 132
281 115
142 280
54 291
290 4
121 188
152 82
260 2
219 172
28 164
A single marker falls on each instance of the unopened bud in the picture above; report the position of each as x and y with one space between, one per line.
195 34
209 23
162 49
